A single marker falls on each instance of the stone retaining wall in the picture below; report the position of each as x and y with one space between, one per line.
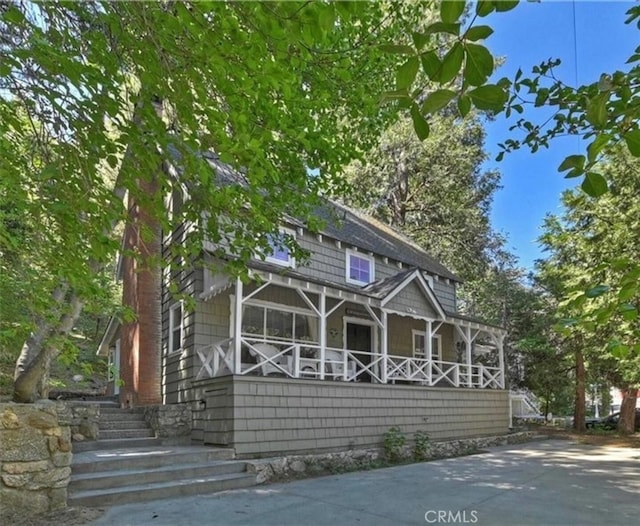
35 457
171 423
85 421
278 468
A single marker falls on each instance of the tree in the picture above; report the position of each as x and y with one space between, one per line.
116 94
433 190
595 242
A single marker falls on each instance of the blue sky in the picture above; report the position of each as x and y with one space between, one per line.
526 36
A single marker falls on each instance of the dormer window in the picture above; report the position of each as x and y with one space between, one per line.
360 268
280 253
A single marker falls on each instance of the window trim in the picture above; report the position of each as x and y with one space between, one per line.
436 350
372 267
291 262
172 327
281 307
429 279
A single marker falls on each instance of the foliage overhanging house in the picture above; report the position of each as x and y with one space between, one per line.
330 354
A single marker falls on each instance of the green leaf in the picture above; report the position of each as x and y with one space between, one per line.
451 64
628 291
479 64
420 125
596 291
451 10
442 27
594 184
437 100
628 311
618 350
431 64
464 105
419 39
505 5
489 97
597 110
327 17
399 95
407 73
596 146
632 139
574 163
397 49
478 33
484 7
13 15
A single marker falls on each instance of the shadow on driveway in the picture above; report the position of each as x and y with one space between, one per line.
539 483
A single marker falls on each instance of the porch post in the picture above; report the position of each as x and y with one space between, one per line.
428 349
501 359
468 349
383 347
237 329
323 332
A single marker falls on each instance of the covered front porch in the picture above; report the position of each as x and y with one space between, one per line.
391 332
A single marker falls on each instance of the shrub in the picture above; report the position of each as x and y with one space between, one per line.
394 441
421 446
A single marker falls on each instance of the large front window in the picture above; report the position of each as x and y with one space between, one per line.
273 323
360 268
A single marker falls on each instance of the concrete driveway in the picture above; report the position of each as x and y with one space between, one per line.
540 483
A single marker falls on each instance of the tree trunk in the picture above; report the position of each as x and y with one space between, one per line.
627 421
32 368
579 412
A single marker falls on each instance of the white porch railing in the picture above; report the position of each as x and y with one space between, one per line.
306 360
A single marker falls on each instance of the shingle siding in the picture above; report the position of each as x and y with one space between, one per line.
328 262
278 416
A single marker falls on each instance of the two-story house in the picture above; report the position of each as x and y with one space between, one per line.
330 354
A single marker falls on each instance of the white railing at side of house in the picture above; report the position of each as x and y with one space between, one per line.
306 360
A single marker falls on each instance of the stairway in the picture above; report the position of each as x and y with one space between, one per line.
119 428
128 465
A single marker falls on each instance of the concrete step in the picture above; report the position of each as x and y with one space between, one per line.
116 443
143 432
121 417
121 424
128 477
117 410
151 457
161 490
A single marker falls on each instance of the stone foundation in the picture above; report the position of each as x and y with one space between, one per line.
171 423
35 457
278 468
85 421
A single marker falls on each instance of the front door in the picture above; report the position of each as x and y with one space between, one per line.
359 339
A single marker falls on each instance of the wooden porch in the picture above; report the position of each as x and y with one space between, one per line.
311 361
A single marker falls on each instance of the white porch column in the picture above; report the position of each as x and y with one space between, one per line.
468 342
237 329
428 350
323 332
501 360
383 347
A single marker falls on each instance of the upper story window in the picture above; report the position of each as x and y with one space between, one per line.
280 253
360 268
176 328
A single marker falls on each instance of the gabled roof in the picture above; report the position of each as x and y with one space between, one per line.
401 280
354 228
357 229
